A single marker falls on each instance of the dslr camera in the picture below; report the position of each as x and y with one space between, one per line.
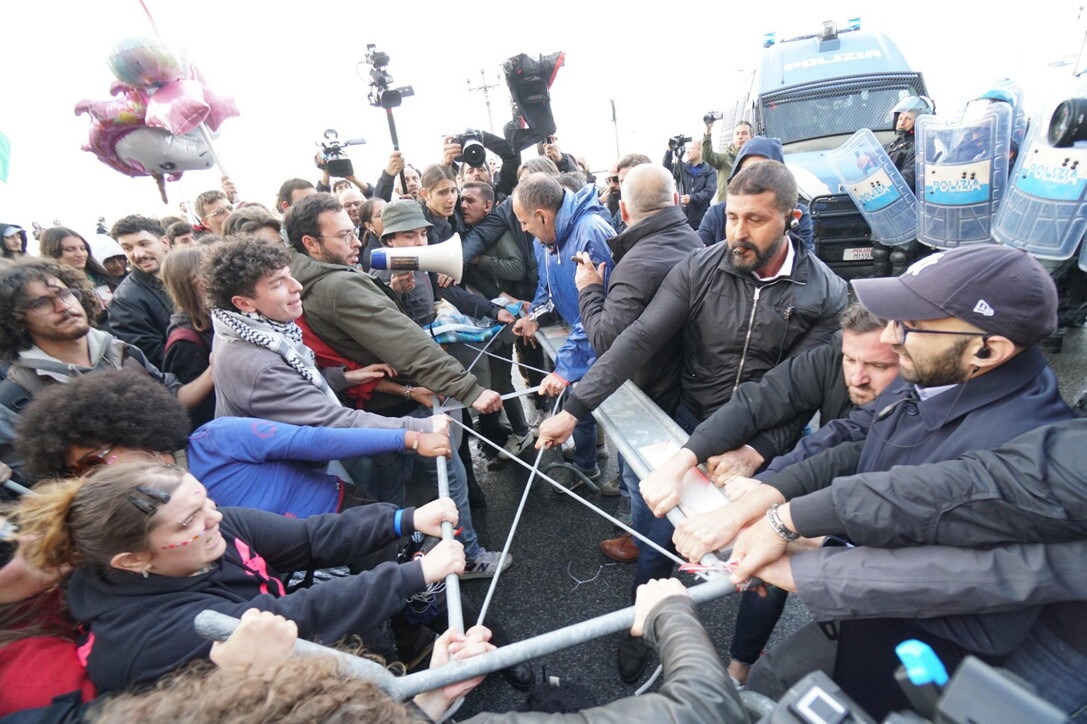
333 158
678 142
472 151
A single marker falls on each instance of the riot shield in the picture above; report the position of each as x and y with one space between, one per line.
964 167
1045 209
882 196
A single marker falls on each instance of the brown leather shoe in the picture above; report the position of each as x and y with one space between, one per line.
622 549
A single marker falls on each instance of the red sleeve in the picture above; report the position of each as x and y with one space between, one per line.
34 670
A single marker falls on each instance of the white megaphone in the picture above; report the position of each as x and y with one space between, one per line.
445 258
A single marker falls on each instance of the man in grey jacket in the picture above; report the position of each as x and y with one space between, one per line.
46 337
992 531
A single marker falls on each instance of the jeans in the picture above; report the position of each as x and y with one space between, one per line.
392 470
652 564
755 622
1056 670
585 444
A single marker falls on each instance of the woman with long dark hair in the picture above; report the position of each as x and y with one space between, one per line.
187 353
70 248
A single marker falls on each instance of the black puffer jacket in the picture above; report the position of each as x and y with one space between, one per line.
734 328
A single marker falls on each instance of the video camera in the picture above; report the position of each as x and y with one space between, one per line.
712 116
333 158
678 142
382 95
472 151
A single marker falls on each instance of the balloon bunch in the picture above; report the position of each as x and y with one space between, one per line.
157 123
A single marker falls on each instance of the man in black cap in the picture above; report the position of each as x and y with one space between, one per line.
966 325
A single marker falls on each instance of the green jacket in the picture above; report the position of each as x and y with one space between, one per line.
353 314
723 162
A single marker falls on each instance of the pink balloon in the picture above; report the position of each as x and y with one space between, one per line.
178 107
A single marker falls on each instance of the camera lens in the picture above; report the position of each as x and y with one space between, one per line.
1069 123
474 154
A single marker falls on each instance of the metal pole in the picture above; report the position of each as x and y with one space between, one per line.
217 626
396 147
452 582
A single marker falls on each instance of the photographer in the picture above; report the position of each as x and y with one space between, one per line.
549 147
332 151
696 181
389 180
724 161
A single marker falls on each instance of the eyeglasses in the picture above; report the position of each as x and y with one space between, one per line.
215 214
92 460
352 205
343 236
902 330
48 303
613 179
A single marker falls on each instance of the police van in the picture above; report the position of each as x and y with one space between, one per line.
813 92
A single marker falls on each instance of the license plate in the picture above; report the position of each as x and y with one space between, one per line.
863 253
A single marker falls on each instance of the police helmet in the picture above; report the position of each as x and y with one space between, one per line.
920 105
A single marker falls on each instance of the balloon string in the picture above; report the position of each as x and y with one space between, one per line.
150 17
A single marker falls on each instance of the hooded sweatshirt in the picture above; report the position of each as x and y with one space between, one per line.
579 226
138 629
712 228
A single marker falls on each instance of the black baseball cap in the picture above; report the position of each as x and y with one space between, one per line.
996 288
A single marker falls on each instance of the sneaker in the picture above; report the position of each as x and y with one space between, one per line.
611 488
592 473
517 444
484 565
536 419
568 449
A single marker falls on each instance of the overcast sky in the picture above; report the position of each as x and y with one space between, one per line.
293 69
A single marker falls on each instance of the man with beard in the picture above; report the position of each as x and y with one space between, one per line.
45 335
739 308
140 311
966 326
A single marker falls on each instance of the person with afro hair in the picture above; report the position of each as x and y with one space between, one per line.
123 416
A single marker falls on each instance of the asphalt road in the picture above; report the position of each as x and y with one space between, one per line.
555 547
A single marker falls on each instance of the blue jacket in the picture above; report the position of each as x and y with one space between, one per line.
278 467
983 413
579 226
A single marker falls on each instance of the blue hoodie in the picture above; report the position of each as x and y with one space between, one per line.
712 228
579 226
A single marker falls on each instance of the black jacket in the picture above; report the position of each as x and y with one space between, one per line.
901 151
643 255
701 186
734 328
142 628
787 396
490 229
140 314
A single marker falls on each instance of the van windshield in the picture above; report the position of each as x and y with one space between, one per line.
819 110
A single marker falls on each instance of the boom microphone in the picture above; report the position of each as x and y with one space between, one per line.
445 258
